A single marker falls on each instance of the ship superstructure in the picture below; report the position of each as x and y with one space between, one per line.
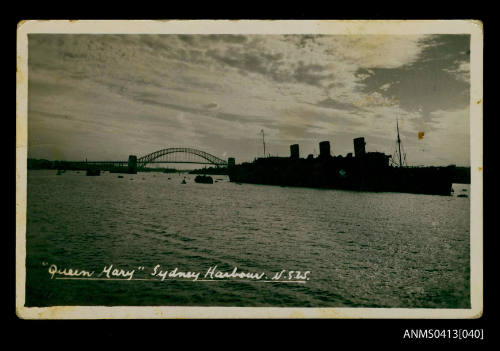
363 171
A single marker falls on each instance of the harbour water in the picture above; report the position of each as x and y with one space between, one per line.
361 249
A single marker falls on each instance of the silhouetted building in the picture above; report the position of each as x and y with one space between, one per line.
294 151
359 147
231 162
324 149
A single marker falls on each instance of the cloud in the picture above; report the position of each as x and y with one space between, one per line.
337 105
451 132
461 71
133 93
211 106
385 86
436 81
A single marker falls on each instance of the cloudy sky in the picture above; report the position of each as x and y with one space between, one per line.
103 97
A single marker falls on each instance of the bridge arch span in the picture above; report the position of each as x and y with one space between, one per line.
149 158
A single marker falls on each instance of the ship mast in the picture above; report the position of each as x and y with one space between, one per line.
263 142
401 154
399 144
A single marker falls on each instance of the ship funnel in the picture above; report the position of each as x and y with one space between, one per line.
324 149
294 151
359 147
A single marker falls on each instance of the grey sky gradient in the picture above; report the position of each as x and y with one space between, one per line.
103 97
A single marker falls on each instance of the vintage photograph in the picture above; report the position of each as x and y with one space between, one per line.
330 170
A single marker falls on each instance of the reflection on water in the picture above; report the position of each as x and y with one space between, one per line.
362 249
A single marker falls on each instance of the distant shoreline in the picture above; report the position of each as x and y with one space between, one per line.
461 174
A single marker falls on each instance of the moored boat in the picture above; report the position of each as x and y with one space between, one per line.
204 179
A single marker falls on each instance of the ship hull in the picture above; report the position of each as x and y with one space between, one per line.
345 174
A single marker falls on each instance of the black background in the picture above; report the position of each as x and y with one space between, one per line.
235 334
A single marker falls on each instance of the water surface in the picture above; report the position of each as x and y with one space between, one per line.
362 249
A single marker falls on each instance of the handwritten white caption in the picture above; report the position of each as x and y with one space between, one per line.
111 272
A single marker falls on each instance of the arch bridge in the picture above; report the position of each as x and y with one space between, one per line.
169 155
180 155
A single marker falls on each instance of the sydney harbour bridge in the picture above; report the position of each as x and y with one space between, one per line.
169 155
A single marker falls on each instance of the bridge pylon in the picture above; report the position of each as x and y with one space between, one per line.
132 164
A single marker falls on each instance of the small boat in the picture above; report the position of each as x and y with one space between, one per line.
204 179
462 195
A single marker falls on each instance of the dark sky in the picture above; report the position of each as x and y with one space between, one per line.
103 97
